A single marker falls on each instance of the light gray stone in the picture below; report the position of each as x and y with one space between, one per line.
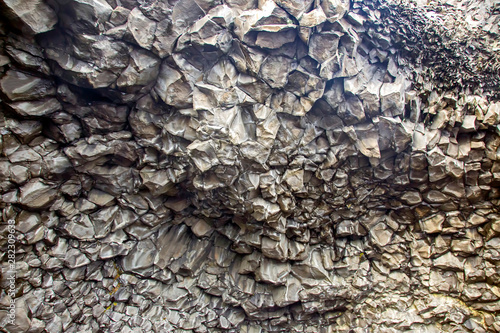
335 9
37 16
36 108
172 87
18 86
274 71
432 224
142 256
141 28
36 194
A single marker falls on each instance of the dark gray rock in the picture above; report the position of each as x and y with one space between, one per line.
323 46
250 166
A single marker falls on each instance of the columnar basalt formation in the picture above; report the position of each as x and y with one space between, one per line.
251 166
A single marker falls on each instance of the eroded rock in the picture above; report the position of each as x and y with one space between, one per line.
36 16
253 166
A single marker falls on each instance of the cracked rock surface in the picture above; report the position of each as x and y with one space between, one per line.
251 166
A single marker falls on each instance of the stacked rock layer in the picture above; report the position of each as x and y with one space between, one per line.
250 166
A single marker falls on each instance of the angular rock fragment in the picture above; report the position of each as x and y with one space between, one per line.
74 259
24 154
380 234
304 84
26 130
412 198
247 60
433 224
142 70
334 9
492 116
157 181
323 46
392 99
100 198
348 228
295 8
172 87
313 18
449 261
186 12
36 194
80 227
36 15
294 179
27 221
202 229
275 249
18 86
173 244
275 40
90 15
142 256
119 15
351 111
434 196
310 269
395 134
141 28
272 271
367 140
274 71
264 210
203 154
39 108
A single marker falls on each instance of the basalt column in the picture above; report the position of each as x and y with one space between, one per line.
250 166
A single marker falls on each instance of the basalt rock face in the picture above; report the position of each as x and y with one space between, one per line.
251 166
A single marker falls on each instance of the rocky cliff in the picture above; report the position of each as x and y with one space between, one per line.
250 166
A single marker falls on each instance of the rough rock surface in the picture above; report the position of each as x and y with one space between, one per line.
251 166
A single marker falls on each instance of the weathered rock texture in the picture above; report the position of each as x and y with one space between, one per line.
251 166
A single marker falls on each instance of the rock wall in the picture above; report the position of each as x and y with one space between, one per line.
250 166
